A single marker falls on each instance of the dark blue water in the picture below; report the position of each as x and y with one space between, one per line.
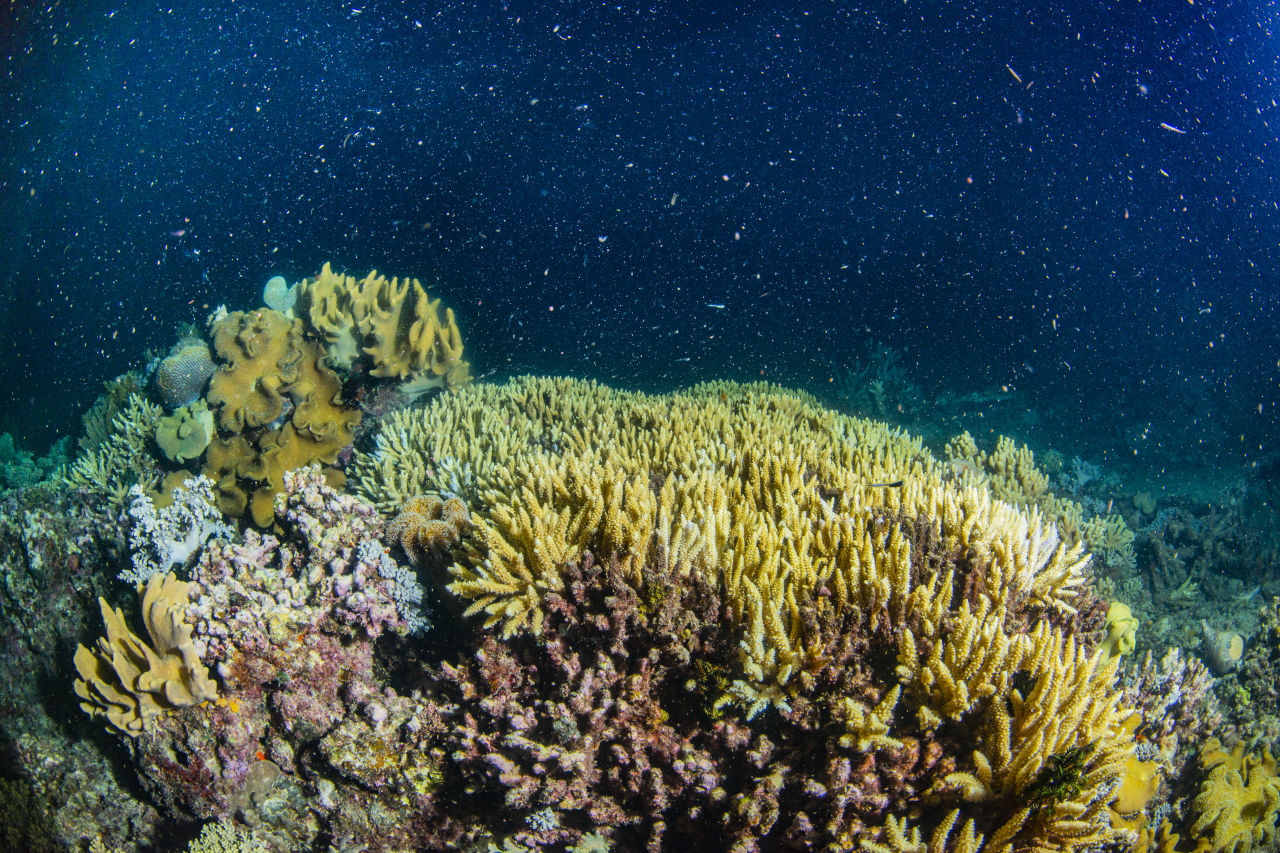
1075 202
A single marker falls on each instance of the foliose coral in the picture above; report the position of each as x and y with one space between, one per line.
186 433
130 682
279 408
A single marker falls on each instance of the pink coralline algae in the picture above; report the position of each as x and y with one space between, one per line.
288 622
328 572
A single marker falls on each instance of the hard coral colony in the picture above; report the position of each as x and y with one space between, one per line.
647 622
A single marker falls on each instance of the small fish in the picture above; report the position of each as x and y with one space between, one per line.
1171 128
686 358
719 305
895 484
1014 73
181 232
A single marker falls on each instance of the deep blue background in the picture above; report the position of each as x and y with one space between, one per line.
839 173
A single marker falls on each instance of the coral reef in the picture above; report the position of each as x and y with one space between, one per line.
130 683
21 468
724 617
390 324
819 575
180 377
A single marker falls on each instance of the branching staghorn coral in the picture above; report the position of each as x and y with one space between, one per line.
920 596
120 459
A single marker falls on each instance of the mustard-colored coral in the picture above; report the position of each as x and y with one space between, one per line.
128 681
776 499
259 351
391 322
1239 799
271 377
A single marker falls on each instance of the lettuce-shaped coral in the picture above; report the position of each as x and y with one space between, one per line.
186 433
260 351
274 378
129 682
391 323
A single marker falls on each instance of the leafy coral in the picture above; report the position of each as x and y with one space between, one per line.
279 408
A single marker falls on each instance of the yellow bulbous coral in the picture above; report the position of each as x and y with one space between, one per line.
1239 799
129 682
774 498
392 323
1122 630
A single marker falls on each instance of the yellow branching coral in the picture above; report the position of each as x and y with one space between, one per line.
774 499
1239 800
391 322
128 681
1009 474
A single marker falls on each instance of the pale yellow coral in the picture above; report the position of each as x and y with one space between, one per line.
1239 800
119 458
129 682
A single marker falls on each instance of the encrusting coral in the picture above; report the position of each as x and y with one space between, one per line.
129 682
916 649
